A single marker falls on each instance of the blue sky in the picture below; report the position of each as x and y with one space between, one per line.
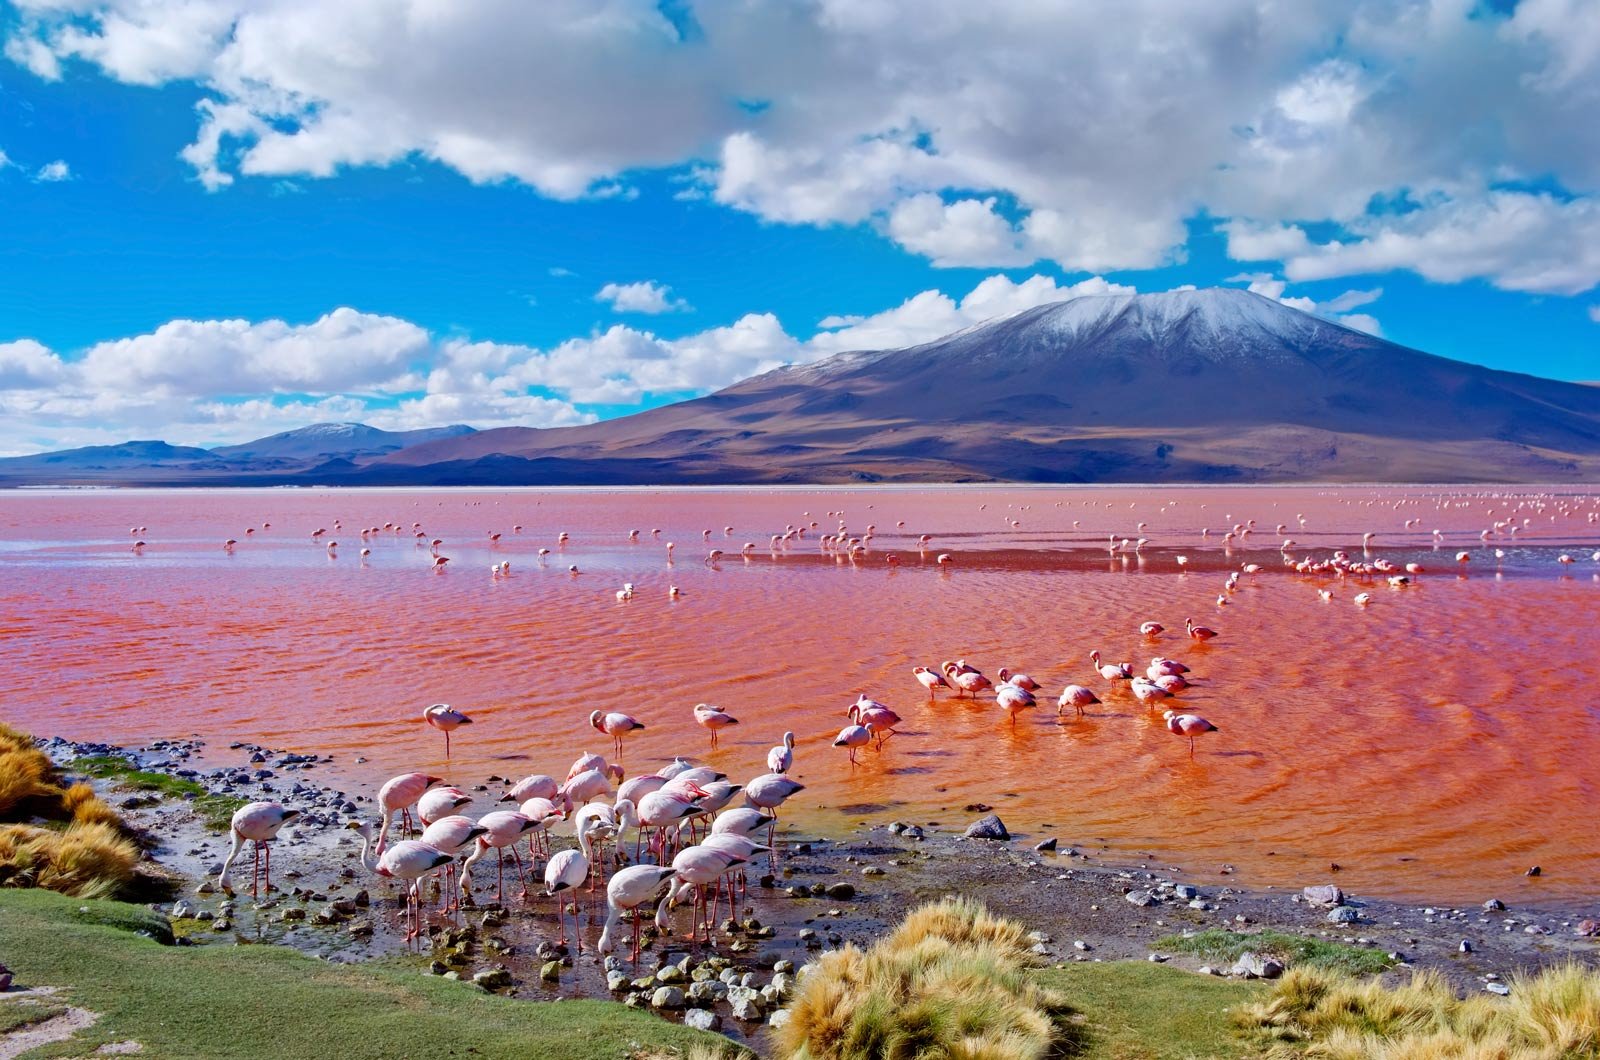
208 163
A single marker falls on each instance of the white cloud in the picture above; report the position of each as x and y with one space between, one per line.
219 381
1518 240
53 172
1102 137
646 296
1594 313
1336 309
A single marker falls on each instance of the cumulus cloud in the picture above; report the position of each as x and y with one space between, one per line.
219 381
992 135
645 296
1336 309
53 172
1594 313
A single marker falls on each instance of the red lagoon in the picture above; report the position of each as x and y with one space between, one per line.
1434 743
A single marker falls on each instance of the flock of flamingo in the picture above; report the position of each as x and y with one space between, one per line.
689 839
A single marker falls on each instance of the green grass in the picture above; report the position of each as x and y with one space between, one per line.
14 1015
262 1002
1219 945
216 810
1135 1010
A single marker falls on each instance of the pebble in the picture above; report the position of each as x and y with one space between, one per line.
492 978
551 971
1325 894
1048 844
667 997
702 1020
1343 915
1142 898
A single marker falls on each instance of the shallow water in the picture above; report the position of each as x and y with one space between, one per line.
1434 745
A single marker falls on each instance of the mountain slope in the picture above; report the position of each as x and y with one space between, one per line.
329 441
1215 385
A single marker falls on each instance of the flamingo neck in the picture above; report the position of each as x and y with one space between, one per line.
368 860
227 863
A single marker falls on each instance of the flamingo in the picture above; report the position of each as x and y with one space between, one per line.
452 835
1111 671
1151 629
565 871
1011 698
877 718
745 821
437 803
768 792
1075 696
1189 726
615 725
713 718
781 759
1363 599
537 785
630 888
585 787
1200 633
396 796
1022 681
930 679
589 760
732 843
544 813
966 678
408 860
851 737
1160 666
699 867
258 822
635 788
659 809
1147 691
502 829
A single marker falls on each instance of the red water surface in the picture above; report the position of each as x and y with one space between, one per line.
1434 745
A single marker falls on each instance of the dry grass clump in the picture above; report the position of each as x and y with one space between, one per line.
91 858
84 861
950 982
1554 1015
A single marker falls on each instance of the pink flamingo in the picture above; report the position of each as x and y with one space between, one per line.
615 725
630 888
504 828
1022 681
781 759
768 792
589 760
1152 629
538 785
1189 726
407 860
698 867
714 718
660 810
397 796
1076 696
436 803
544 813
1160 667
1111 671
1200 633
258 822
585 787
566 871
1012 699
966 678
446 719
851 737
929 679
452 835
875 717
1147 691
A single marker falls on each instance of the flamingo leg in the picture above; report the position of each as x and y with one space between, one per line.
447 745
266 856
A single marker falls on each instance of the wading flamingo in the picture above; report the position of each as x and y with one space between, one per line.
397 796
1022 681
699 867
1111 671
713 718
258 822
615 725
1077 697
929 679
1201 633
768 792
452 835
503 829
407 860
851 737
1189 726
437 803
566 871
1012 699
630 888
781 759
446 719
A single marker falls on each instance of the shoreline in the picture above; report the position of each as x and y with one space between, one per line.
1082 907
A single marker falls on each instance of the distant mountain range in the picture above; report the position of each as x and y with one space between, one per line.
1215 385
313 450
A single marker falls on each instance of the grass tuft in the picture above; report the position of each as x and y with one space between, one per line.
1554 1015
952 981
1216 944
85 861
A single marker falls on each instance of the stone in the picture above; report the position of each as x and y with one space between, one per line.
1081 946
747 1005
1327 894
492 978
1254 966
616 981
779 1018
1533 871
702 1020
667 997
1497 988
183 909
783 966
987 827
359 928
1343 915
1158 958
1588 928
1466 946
1046 845
1186 892
1494 905
551 971
840 892
670 974
1142 898
872 870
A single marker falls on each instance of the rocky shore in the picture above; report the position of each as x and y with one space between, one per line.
820 893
